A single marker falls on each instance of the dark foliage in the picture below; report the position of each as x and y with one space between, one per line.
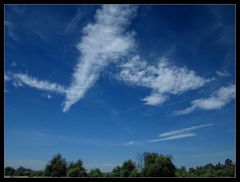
151 165
56 167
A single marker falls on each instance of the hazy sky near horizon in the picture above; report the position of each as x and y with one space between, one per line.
105 82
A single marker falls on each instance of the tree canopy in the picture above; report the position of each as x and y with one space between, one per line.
56 167
76 169
147 165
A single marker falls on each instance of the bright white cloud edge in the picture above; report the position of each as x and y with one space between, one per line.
218 100
162 78
103 42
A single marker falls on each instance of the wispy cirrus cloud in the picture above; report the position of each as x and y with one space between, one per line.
130 143
10 30
48 96
171 135
218 100
7 77
174 137
222 73
21 79
74 21
163 78
103 42
184 130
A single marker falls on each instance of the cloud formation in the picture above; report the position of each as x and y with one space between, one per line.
130 143
21 79
184 130
163 78
172 135
103 42
107 41
10 30
7 77
218 100
222 73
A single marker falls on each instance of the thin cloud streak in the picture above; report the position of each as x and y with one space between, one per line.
222 73
74 21
185 130
21 79
174 137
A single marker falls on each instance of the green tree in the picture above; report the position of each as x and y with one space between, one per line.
229 168
21 171
181 172
95 173
56 167
76 169
136 173
127 168
9 171
36 173
116 172
158 165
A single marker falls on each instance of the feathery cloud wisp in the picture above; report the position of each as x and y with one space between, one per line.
174 137
184 130
21 79
9 30
103 42
130 143
7 77
222 73
163 79
220 98
74 21
171 135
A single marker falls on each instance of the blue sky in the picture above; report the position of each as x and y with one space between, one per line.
104 83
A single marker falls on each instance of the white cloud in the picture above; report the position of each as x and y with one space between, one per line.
154 99
74 21
184 130
10 30
171 135
7 77
103 42
185 111
220 98
222 73
13 64
174 137
130 143
163 78
47 96
21 79
8 24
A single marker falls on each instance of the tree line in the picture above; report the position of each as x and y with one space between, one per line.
147 165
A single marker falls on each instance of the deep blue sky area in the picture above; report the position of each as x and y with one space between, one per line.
52 106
